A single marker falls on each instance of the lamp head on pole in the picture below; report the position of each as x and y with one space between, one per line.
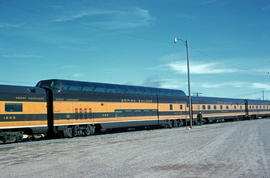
175 40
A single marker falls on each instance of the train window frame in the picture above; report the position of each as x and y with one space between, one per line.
198 107
129 112
100 89
55 85
209 107
146 112
204 107
118 113
221 107
69 87
44 83
111 90
171 107
138 112
227 106
13 107
181 107
88 88
153 112
215 107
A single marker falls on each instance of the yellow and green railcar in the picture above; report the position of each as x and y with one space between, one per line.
82 107
22 110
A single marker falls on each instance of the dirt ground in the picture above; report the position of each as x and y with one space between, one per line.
235 149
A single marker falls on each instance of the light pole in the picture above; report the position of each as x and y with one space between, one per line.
189 96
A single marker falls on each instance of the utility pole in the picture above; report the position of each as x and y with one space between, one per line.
188 73
189 96
196 94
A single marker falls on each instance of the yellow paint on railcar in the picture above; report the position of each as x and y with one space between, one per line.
22 124
224 114
28 107
69 107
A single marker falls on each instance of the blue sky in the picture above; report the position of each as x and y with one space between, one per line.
131 42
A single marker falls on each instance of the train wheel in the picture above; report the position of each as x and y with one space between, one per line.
93 129
76 131
169 124
87 130
174 123
179 123
67 132
19 137
3 138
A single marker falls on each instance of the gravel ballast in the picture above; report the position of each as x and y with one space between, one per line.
235 149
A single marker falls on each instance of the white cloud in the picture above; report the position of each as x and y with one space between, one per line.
110 19
261 86
225 84
82 14
207 68
77 75
7 25
172 84
24 56
264 71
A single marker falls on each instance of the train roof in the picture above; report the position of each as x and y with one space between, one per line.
215 100
219 100
20 89
71 85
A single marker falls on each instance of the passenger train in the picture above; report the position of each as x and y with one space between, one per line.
65 108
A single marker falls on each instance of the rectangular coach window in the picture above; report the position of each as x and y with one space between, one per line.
118 113
13 107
